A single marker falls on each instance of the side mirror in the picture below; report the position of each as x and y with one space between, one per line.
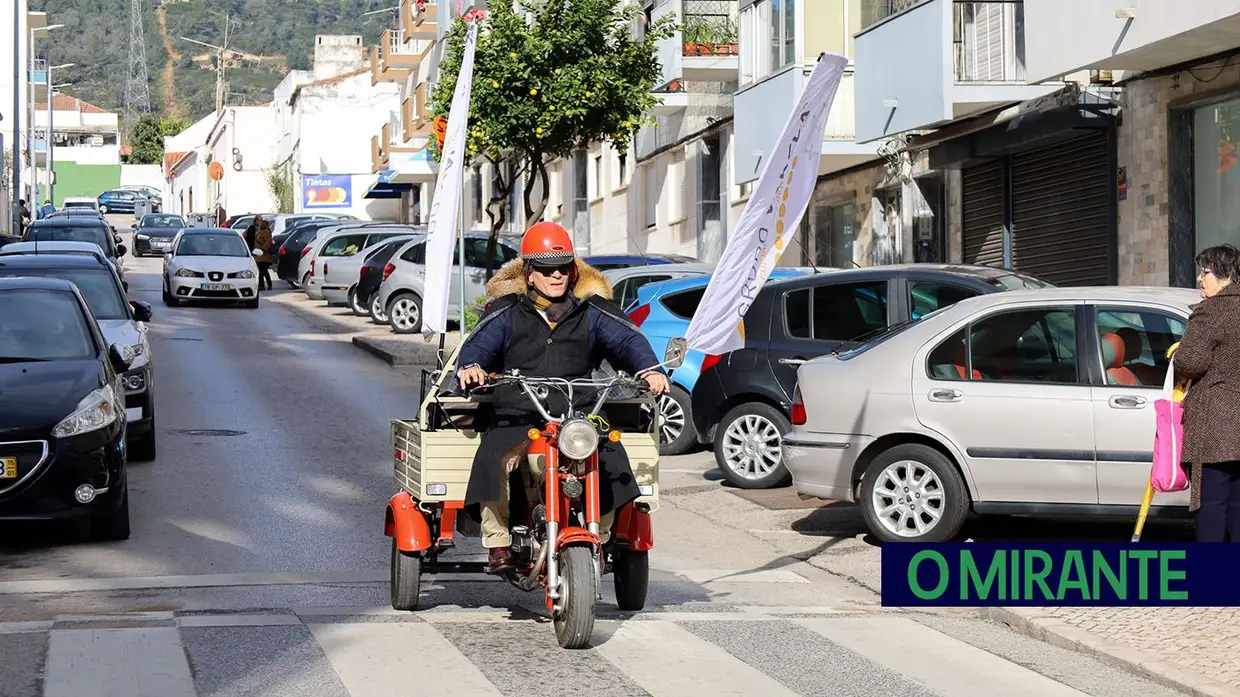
121 357
675 354
121 250
141 311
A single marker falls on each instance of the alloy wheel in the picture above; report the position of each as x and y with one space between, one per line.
405 314
752 446
671 419
376 310
908 498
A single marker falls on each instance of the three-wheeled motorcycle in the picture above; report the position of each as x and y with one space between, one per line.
556 542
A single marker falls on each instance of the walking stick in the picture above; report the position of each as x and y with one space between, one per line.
1145 509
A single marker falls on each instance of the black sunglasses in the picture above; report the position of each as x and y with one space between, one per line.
564 269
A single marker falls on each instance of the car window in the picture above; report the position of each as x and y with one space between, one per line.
796 313
97 235
415 254
43 325
97 286
836 312
626 292
343 246
1036 345
162 221
684 303
210 245
377 237
925 297
1133 344
476 253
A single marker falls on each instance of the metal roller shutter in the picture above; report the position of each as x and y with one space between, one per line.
1060 227
982 203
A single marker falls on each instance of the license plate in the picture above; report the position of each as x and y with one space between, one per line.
9 465
215 286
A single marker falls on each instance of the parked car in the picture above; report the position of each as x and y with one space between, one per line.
742 401
338 244
119 201
121 321
606 262
365 296
62 429
339 275
154 233
210 263
80 202
81 228
1036 402
294 244
75 248
625 281
401 291
280 222
663 310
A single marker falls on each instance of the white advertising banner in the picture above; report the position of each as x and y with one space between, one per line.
770 219
446 205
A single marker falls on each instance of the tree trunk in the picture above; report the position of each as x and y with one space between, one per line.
533 212
497 210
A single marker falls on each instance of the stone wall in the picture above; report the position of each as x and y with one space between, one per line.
1143 138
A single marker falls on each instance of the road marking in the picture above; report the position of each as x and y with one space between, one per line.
152 616
934 659
681 663
85 585
237 620
117 663
24 627
704 576
428 664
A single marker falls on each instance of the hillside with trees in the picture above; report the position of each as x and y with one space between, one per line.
275 36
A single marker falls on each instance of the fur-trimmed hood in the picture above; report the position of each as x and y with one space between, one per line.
510 280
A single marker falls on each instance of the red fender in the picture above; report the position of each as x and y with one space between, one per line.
406 524
635 528
570 536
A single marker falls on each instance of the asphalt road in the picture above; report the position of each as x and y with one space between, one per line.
258 566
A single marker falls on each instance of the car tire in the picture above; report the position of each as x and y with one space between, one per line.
910 463
103 209
112 527
143 449
305 281
676 434
749 431
378 314
169 300
251 304
404 312
358 309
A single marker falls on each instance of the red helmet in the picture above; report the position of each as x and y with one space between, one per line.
547 243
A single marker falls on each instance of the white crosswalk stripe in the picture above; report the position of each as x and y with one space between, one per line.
376 652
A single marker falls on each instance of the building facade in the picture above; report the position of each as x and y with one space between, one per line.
85 151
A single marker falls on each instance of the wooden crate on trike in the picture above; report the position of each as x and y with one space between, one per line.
556 538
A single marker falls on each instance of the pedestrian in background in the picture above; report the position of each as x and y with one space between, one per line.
262 242
47 210
1209 355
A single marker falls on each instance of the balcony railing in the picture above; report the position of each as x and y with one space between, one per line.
841 122
989 41
710 27
417 18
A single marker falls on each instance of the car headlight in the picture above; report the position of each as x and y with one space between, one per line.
186 273
134 381
578 439
141 236
242 274
96 410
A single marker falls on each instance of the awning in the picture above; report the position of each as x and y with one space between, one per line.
384 187
414 167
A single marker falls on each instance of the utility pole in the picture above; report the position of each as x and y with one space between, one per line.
16 181
137 88
221 89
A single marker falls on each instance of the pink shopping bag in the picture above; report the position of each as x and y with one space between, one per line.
1168 475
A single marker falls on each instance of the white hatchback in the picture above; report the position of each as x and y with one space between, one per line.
210 264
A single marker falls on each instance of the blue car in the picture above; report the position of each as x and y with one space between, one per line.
119 201
663 312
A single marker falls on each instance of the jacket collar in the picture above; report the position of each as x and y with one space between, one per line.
510 280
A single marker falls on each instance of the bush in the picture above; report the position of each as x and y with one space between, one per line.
473 312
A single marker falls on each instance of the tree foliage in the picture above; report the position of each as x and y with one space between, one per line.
549 77
146 139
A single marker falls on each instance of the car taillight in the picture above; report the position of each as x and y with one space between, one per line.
709 362
305 251
283 250
798 408
387 271
361 273
640 314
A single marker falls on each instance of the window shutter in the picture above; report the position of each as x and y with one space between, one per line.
678 191
652 194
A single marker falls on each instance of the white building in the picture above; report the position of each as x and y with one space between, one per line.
185 168
84 134
244 140
14 123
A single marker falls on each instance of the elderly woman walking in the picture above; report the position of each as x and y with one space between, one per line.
1209 355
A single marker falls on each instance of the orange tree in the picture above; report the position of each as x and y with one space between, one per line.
551 77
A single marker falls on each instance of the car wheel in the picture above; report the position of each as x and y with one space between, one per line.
358 308
749 447
251 304
675 431
305 281
113 526
168 299
103 209
913 493
377 313
404 311
143 449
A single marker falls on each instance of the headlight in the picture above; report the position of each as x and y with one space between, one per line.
578 439
96 410
141 236
135 381
242 274
186 273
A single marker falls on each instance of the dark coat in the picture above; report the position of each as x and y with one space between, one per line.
511 334
1209 355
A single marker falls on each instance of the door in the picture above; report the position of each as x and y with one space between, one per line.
1009 392
818 319
1131 343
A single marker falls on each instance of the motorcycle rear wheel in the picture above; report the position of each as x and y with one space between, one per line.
574 623
632 577
406 579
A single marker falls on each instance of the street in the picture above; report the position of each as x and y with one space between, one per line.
258 565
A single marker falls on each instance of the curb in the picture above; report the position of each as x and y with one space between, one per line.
1054 631
399 352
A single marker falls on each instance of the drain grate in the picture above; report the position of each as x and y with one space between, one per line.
209 432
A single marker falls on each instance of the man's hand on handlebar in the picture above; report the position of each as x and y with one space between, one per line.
657 382
473 375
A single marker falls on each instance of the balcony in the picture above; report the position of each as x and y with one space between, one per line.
418 19
382 67
378 158
938 61
415 118
400 52
761 108
1136 35
705 50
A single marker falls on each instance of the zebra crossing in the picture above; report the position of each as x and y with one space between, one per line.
376 652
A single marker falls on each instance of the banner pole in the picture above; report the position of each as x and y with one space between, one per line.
460 232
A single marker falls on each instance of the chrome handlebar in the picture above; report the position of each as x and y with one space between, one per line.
537 389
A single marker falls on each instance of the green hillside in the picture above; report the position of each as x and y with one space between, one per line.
276 35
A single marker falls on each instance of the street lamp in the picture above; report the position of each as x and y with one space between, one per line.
50 133
34 185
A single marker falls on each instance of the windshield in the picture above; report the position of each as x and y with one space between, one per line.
1018 281
869 340
75 233
42 325
96 285
200 245
79 204
163 221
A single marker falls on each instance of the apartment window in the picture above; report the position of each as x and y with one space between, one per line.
624 171
651 182
598 177
768 38
712 233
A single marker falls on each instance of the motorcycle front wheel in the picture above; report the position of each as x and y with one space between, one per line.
574 622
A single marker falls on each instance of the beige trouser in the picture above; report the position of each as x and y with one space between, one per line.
495 513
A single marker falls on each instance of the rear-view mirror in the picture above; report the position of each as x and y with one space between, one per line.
121 250
141 311
121 357
675 354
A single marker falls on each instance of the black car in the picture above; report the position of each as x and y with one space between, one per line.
290 251
742 400
154 233
81 228
371 277
62 414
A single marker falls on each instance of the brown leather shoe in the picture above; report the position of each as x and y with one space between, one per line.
499 560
